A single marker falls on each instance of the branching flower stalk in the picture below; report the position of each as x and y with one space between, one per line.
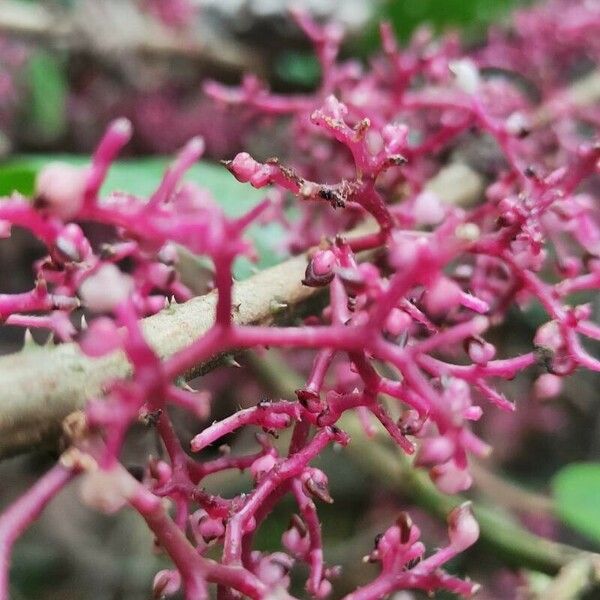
401 340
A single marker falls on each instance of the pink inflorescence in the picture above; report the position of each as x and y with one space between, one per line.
415 290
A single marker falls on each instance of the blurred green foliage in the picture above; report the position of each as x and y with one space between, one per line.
142 176
46 104
576 490
471 16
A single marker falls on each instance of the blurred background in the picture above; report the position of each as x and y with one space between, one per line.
67 67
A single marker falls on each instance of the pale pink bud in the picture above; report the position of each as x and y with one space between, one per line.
316 484
548 336
161 471
60 187
395 137
319 271
473 413
434 451
480 351
518 125
107 491
547 386
428 209
374 142
262 465
273 569
442 296
323 262
105 289
449 479
72 243
582 312
210 529
243 166
397 322
405 251
5 229
463 529
102 337
297 543
325 589
466 74
166 583
246 169
333 107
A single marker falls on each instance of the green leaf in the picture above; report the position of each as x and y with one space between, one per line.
141 177
470 16
298 68
576 490
48 89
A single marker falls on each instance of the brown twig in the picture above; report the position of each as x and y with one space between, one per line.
112 27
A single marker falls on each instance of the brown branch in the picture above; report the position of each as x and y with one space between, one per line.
40 386
112 27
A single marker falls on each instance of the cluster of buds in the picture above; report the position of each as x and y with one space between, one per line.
415 291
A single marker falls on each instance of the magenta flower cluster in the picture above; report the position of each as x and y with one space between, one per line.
411 294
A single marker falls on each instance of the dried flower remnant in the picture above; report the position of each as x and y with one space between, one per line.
437 277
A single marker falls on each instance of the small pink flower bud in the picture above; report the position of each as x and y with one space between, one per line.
102 337
316 484
428 209
210 529
105 289
166 583
449 479
325 589
547 386
262 465
467 75
320 269
243 166
162 471
480 351
518 125
246 169
296 542
442 296
310 400
463 529
548 336
397 322
323 263
374 142
5 229
72 243
60 187
410 423
395 136
273 569
405 251
107 491
434 451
